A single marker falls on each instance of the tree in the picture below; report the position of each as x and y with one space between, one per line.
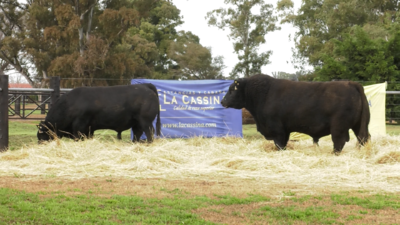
360 58
286 76
179 54
193 60
319 23
77 40
92 42
248 31
12 55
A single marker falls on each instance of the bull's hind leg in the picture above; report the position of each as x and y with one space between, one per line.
148 130
339 138
362 137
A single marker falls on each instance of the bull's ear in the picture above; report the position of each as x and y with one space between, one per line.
237 82
39 128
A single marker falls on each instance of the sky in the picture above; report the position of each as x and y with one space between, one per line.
194 13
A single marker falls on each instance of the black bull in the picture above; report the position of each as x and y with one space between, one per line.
87 109
280 107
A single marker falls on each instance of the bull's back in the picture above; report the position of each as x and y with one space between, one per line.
108 98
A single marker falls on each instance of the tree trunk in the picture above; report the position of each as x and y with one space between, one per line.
89 24
81 47
246 45
22 72
17 67
2 68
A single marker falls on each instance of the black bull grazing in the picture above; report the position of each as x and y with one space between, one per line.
280 107
87 109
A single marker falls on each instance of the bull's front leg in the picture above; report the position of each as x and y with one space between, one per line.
281 140
80 128
137 133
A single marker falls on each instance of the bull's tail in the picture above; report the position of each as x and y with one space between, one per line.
363 135
158 123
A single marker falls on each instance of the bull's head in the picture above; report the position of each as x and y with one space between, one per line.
44 133
235 97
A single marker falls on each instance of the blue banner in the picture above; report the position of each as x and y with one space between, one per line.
193 108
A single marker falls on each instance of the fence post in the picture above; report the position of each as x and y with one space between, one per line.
55 85
18 106
3 113
42 98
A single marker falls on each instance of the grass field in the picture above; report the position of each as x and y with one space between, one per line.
182 207
197 181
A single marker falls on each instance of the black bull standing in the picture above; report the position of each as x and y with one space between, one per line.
87 109
280 107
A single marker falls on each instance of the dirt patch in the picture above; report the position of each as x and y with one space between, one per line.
154 187
232 214
250 213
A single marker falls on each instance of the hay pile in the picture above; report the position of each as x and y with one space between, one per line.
376 166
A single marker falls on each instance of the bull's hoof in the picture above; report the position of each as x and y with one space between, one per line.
337 153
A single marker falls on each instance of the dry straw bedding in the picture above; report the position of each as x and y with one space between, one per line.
373 167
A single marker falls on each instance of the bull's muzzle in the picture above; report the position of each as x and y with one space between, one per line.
223 103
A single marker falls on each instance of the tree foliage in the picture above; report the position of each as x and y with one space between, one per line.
115 40
194 60
286 76
361 58
321 22
12 29
247 30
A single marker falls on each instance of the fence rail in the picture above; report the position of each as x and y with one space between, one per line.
30 100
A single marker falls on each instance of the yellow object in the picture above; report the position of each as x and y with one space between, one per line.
376 96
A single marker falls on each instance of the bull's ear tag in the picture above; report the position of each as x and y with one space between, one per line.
40 129
235 81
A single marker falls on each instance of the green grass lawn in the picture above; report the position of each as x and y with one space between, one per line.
393 129
18 207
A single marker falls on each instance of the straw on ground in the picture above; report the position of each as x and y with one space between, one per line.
375 166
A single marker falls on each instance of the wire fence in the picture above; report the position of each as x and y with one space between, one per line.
393 109
392 97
